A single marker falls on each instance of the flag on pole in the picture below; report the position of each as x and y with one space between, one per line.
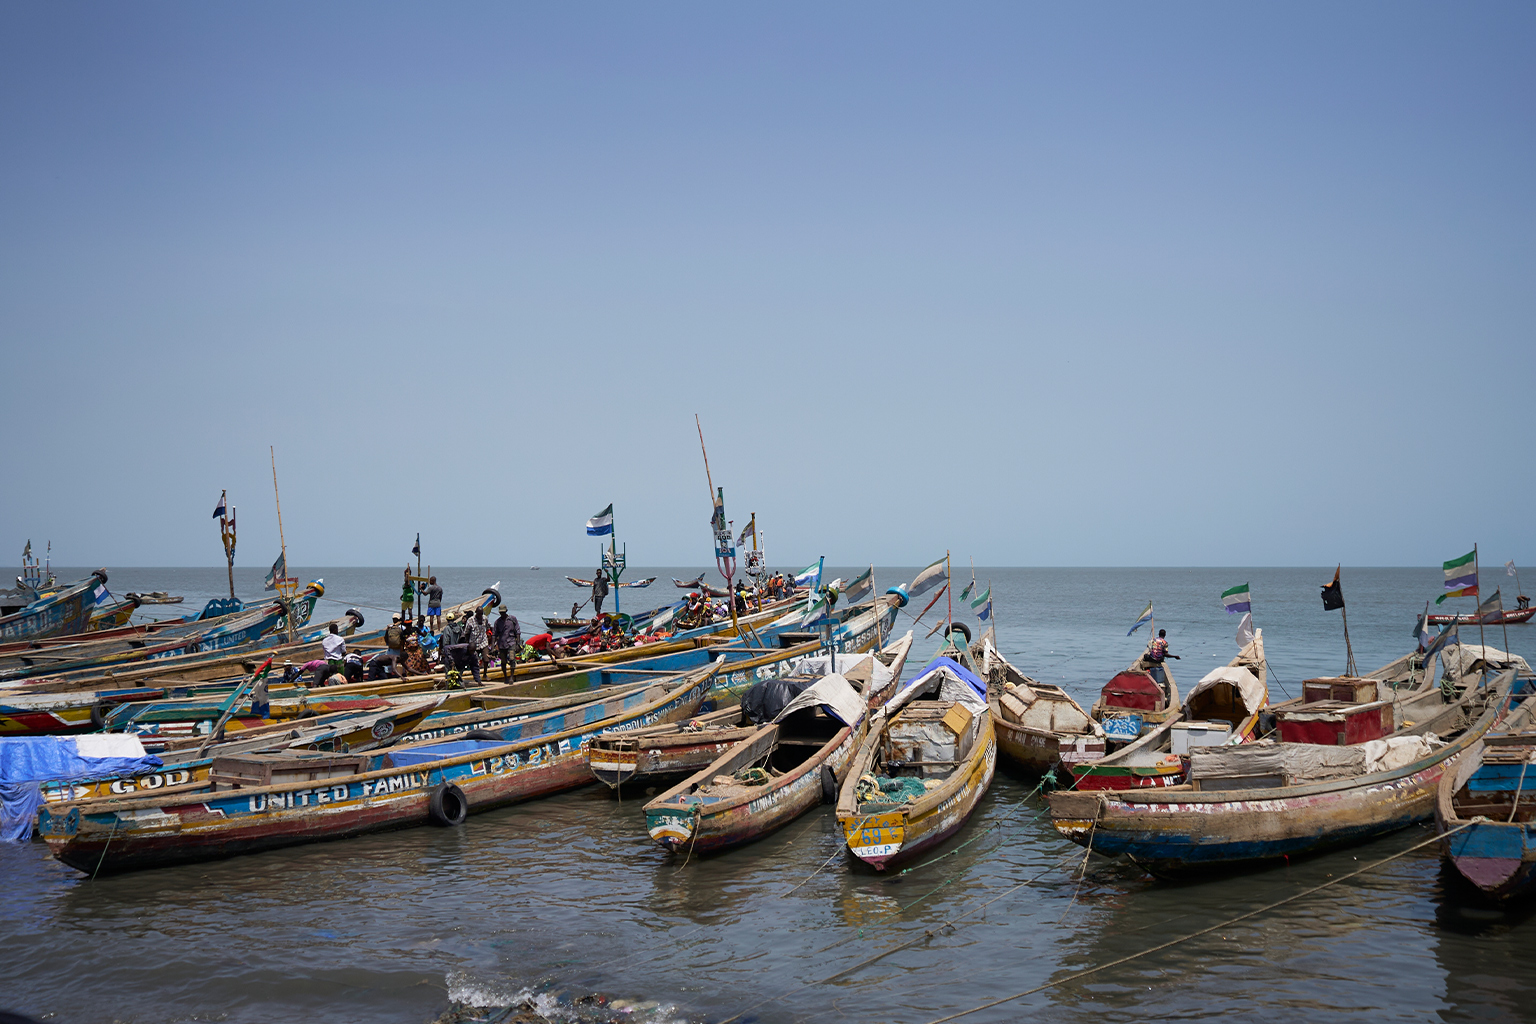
416 548
965 595
1421 631
1146 617
1245 631
1333 593
1236 600
810 575
929 578
1460 577
1509 567
602 523
278 571
1493 606
750 530
861 587
985 611
220 509
985 597
1447 638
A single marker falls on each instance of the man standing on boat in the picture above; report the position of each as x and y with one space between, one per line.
509 640
1157 653
599 591
335 647
434 605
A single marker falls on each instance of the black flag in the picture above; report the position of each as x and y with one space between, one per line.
1333 594
416 550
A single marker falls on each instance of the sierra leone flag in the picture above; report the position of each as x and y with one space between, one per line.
982 605
602 523
810 575
1236 601
1460 577
861 587
1146 617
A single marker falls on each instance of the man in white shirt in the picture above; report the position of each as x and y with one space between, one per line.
335 647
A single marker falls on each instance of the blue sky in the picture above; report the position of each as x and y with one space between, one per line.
1101 284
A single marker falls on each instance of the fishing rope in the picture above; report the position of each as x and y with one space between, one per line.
1203 931
104 846
928 933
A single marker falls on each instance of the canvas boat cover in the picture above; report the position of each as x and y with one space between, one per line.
853 666
26 762
1301 764
1245 682
1458 660
955 682
835 694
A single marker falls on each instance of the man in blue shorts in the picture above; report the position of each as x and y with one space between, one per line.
434 605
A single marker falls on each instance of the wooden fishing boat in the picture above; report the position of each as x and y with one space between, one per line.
343 732
1260 802
260 802
566 622
926 762
1508 617
1221 710
1485 809
65 611
1035 722
783 767
665 753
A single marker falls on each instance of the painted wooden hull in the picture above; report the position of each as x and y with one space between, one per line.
67 611
1512 617
1483 813
1033 750
648 757
141 833
345 733
678 826
889 840
1178 833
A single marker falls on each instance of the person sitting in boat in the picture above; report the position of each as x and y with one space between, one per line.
1157 653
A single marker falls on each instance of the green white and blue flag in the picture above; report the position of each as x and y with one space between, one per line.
1146 617
1237 600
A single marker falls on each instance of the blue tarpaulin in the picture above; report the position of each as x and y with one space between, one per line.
26 762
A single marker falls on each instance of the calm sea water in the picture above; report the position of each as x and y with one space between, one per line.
566 898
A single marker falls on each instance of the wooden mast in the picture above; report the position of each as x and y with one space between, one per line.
284 586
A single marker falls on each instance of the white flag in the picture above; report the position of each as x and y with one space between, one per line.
1245 631
1509 567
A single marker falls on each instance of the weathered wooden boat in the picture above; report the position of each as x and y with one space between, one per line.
187 764
155 597
112 616
1222 709
1485 808
65 611
565 622
1508 617
925 763
784 766
1259 802
261 802
662 754
1035 722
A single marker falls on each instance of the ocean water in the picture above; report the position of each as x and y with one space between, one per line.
565 902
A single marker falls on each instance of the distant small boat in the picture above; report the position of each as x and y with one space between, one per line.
1512 617
533 568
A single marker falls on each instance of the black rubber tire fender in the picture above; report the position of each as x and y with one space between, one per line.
448 806
960 627
480 734
354 613
495 596
828 785
98 715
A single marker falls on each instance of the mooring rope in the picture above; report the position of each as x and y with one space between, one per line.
1203 931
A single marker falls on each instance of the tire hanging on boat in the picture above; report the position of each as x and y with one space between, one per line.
448 805
828 785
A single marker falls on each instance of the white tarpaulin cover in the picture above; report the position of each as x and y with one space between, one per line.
1457 659
1246 683
847 665
835 694
954 683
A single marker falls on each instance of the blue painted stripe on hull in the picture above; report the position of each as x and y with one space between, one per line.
1168 854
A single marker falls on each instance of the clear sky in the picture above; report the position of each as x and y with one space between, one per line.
1064 284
